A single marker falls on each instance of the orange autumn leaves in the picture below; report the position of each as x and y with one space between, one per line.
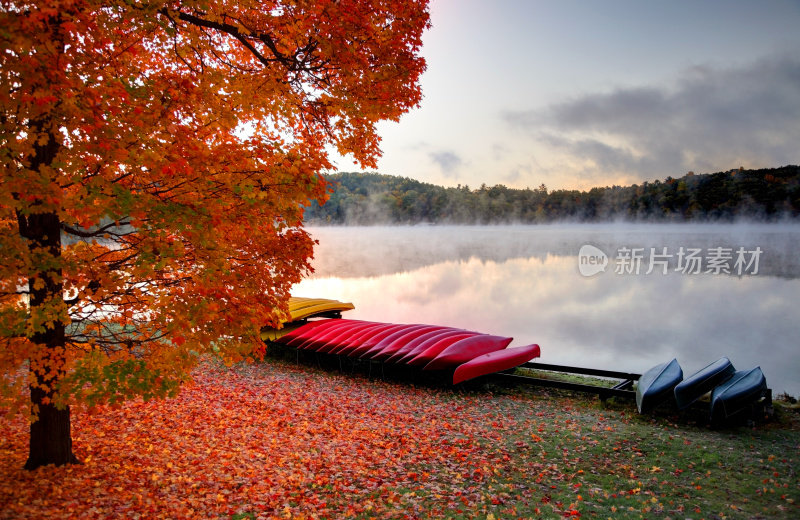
280 441
274 442
172 147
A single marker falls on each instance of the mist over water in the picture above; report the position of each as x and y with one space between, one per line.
525 282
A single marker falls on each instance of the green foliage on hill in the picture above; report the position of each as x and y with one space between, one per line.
372 198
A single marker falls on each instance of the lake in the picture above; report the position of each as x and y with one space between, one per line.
612 296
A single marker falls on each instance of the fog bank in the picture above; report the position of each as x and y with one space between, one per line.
363 251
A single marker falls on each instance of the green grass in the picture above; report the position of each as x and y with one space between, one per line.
551 453
566 377
584 459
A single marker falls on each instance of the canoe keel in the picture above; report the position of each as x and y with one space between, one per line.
738 395
657 385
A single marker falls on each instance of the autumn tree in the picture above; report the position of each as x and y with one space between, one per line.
155 159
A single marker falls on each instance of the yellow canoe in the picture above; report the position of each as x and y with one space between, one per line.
301 309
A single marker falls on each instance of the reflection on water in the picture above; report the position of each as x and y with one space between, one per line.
524 282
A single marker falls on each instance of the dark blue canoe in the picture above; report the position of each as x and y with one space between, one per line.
737 393
703 381
657 385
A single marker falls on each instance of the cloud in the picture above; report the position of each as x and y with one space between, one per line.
710 119
448 161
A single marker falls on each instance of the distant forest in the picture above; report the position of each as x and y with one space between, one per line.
372 198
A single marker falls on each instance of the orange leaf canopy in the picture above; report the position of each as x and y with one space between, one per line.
172 145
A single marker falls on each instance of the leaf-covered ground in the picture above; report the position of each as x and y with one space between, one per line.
278 441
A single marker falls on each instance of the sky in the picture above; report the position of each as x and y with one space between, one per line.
575 94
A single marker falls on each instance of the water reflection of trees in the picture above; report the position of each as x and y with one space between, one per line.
620 322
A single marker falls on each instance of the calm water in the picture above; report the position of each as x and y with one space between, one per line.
527 282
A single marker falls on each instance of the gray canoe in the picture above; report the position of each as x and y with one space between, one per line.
657 385
703 381
737 393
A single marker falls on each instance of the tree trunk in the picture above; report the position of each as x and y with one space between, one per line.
50 436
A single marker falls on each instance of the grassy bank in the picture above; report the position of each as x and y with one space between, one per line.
276 440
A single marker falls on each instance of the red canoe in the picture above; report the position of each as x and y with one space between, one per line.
319 338
496 361
426 356
433 347
423 357
372 341
345 337
466 349
310 330
390 347
302 331
424 342
416 342
436 346
360 338
366 341
389 340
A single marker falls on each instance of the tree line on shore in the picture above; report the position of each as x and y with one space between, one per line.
372 198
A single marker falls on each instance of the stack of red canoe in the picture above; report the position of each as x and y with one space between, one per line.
429 347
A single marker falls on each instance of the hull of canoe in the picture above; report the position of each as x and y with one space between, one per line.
658 385
320 339
703 381
275 335
414 343
466 349
496 361
425 356
737 393
345 337
355 349
390 348
303 308
300 335
395 341
359 339
436 340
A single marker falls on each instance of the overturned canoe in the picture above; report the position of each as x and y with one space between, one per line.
436 341
344 337
364 336
737 394
466 349
320 338
365 343
496 361
396 340
427 347
657 385
703 381
425 356
388 348
307 331
303 308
